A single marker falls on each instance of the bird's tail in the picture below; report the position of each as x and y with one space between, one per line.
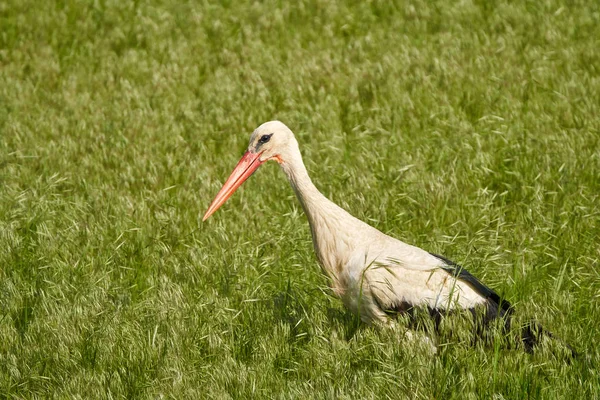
532 334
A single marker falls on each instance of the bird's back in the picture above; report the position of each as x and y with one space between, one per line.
383 274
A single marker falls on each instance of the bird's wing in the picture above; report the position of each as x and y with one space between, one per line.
412 257
462 274
401 276
396 288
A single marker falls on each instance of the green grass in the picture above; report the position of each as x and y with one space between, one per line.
468 128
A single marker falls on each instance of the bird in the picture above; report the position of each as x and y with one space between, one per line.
376 276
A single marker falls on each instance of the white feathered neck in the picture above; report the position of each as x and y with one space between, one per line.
335 232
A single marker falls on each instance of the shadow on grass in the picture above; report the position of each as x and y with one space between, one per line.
290 307
349 322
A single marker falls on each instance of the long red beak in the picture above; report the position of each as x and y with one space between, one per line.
246 167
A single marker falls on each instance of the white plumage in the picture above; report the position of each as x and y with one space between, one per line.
373 273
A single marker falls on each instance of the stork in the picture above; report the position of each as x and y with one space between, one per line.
375 275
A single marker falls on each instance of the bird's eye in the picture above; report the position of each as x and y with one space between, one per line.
264 138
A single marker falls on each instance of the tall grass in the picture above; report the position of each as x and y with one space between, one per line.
468 128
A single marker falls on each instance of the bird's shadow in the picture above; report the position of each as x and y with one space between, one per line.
290 308
349 323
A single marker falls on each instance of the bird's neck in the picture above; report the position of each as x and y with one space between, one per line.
330 225
315 204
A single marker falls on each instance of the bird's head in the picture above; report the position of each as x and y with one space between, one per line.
270 141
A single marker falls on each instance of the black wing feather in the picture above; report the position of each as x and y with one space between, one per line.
460 273
496 307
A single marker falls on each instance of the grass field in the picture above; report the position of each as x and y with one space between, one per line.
469 128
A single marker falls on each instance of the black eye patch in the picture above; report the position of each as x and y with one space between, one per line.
264 139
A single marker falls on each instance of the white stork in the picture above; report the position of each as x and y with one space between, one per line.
375 275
